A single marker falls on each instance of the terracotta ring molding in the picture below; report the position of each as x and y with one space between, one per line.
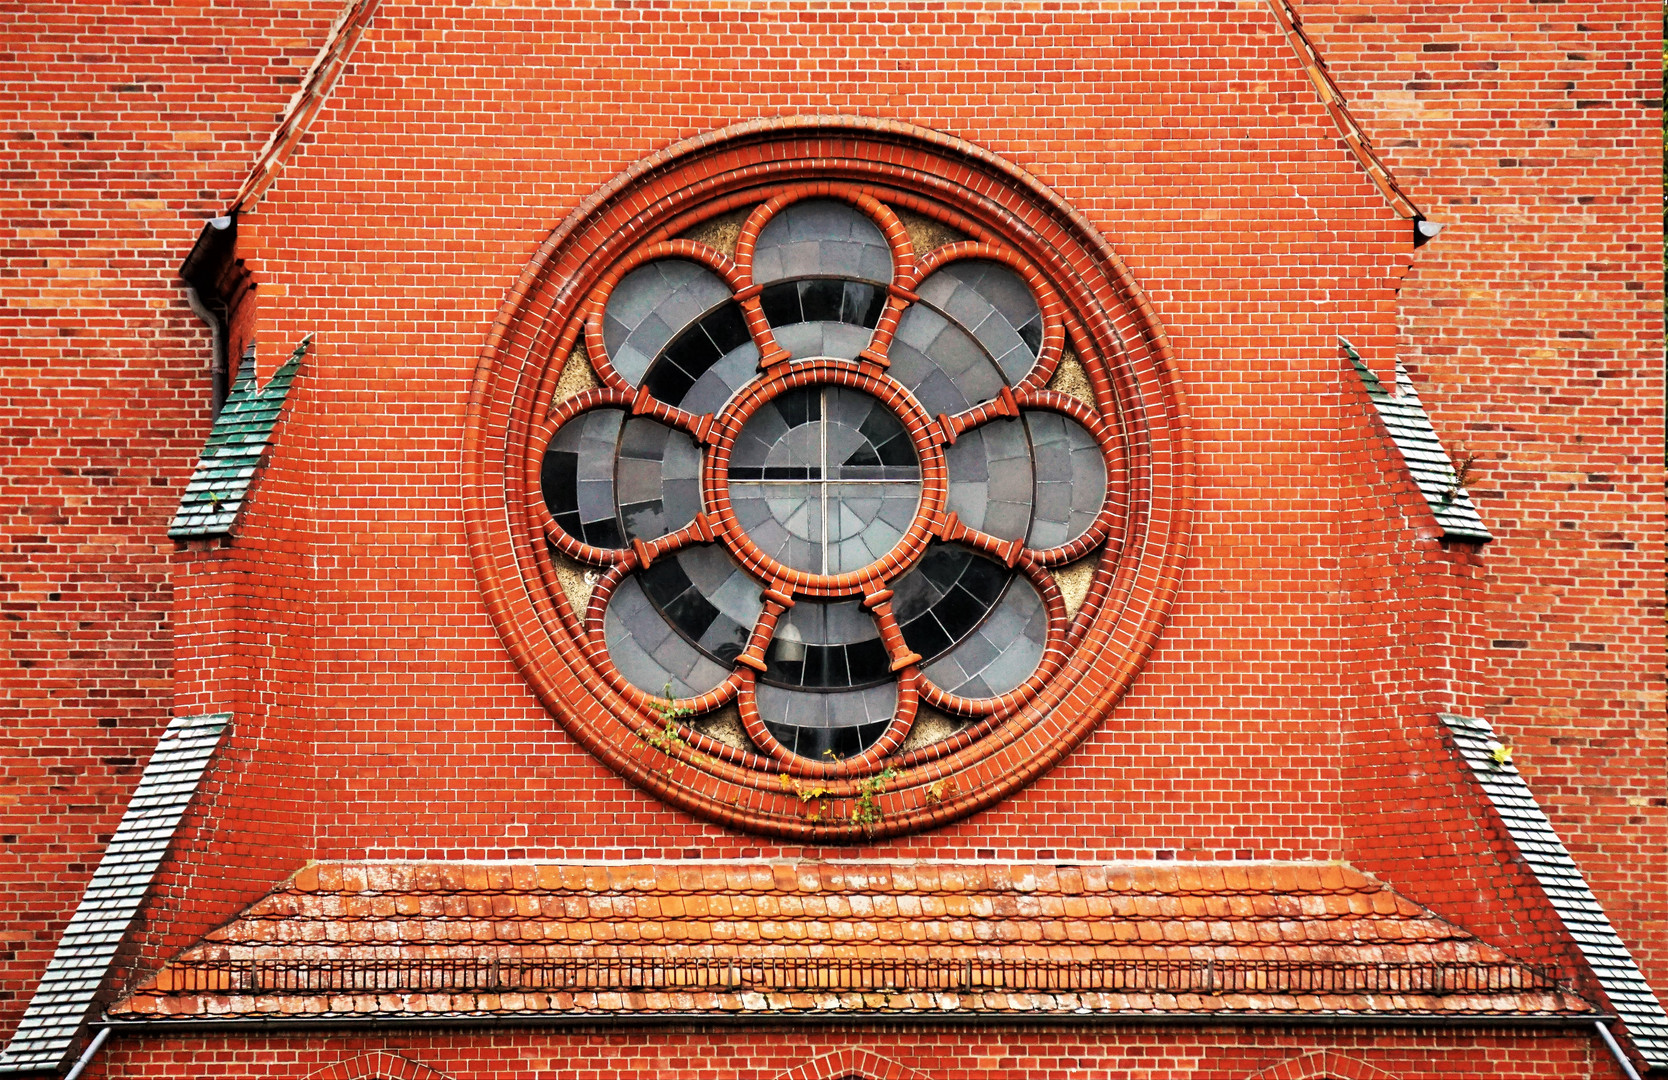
898 176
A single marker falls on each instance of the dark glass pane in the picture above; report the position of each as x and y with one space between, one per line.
651 306
946 597
576 478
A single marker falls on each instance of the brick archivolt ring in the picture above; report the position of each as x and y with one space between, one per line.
809 416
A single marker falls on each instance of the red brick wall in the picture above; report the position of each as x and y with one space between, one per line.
817 1053
126 126
429 744
379 715
1533 326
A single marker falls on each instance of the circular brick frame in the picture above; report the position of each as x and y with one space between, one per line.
1089 301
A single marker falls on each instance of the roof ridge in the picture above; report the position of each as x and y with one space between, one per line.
1332 99
305 103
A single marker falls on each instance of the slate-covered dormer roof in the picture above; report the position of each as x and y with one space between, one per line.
1409 427
233 453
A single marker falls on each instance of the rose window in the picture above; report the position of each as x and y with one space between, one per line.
825 485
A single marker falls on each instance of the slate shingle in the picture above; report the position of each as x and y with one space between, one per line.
1426 458
1565 888
67 991
231 457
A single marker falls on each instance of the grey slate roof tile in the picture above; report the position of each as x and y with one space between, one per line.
232 455
1427 460
69 986
1565 888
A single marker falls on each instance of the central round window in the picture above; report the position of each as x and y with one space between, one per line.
824 479
831 480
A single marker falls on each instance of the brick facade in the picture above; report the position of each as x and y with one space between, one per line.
1287 709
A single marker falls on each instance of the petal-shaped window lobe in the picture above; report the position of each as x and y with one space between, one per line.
823 316
576 478
1071 478
946 595
826 725
821 237
991 484
941 364
709 599
658 478
649 652
993 304
826 645
719 339
1001 652
652 305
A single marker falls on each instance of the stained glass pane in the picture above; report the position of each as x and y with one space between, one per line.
716 352
649 652
823 316
993 304
1002 651
651 306
823 644
941 364
824 479
658 478
821 238
1071 478
577 478
826 725
990 479
946 595
707 597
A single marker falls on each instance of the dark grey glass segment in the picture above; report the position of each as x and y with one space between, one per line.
991 483
649 652
945 597
1002 651
657 479
707 598
823 316
577 478
824 479
651 306
821 237
941 364
715 338
993 304
827 725
826 645
1071 478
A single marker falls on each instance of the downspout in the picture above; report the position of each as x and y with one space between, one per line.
103 1036
216 322
205 272
1616 1050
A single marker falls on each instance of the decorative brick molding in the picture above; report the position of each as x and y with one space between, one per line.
379 1065
1322 1065
851 1064
1088 304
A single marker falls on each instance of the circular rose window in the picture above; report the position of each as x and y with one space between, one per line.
826 479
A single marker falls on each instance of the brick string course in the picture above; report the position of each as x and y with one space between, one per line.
378 713
905 1052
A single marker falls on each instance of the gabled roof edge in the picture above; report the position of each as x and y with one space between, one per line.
1427 460
305 104
68 990
233 455
1566 888
1291 24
